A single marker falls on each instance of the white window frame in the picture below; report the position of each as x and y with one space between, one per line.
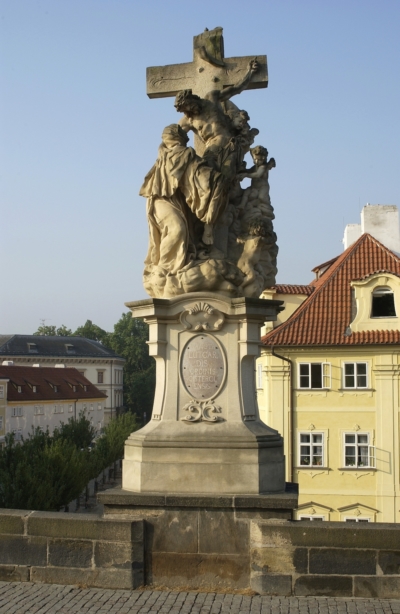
99 407
1 422
311 517
70 408
16 412
2 391
100 377
356 444
38 410
58 409
356 519
326 377
355 375
311 444
381 291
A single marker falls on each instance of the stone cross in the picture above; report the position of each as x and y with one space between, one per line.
210 70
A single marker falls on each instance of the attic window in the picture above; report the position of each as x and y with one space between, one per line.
383 303
32 348
69 348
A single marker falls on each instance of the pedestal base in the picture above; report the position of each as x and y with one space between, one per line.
205 434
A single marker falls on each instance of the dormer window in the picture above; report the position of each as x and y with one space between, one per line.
69 348
19 389
383 303
32 348
33 388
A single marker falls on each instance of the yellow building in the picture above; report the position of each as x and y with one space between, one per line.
328 381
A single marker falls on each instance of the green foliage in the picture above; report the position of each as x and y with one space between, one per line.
79 432
51 331
41 473
92 331
129 341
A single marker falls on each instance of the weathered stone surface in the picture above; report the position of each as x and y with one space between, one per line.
279 560
173 531
81 526
332 534
389 562
12 521
326 586
20 550
220 533
100 578
118 555
70 553
378 586
199 570
271 584
342 561
14 573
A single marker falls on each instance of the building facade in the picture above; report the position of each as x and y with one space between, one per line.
43 397
100 365
328 380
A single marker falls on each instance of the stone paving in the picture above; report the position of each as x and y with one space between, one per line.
29 598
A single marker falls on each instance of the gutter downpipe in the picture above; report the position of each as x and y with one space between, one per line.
290 421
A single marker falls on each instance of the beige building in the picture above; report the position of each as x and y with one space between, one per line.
329 381
100 365
43 397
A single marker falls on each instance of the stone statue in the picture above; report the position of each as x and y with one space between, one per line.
206 232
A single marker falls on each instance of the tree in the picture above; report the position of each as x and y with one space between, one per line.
110 446
53 331
92 331
79 432
129 340
41 473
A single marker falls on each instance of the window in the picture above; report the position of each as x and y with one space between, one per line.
70 408
32 348
383 303
1 392
99 406
84 407
320 518
259 376
311 449
74 388
357 519
69 348
38 410
16 411
355 375
91 407
58 409
17 434
19 389
33 388
357 451
100 377
314 375
1 422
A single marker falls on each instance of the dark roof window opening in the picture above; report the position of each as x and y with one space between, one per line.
383 303
70 348
32 348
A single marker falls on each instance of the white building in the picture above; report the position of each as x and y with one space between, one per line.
100 365
43 397
381 222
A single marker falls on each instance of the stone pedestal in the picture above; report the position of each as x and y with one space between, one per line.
205 435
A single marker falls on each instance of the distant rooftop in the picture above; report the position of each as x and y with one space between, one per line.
41 345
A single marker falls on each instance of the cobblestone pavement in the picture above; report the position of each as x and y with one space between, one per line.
29 598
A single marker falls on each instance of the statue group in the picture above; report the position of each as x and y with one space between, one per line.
207 233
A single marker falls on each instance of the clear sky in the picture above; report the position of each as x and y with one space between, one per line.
78 134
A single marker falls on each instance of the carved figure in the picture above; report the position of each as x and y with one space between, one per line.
206 232
207 118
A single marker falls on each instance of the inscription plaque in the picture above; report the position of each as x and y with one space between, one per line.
202 367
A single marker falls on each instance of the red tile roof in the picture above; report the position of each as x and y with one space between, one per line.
45 378
323 318
292 289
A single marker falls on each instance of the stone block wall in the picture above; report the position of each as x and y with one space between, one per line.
71 549
327 559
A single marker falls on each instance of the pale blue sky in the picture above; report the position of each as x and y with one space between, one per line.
78 135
